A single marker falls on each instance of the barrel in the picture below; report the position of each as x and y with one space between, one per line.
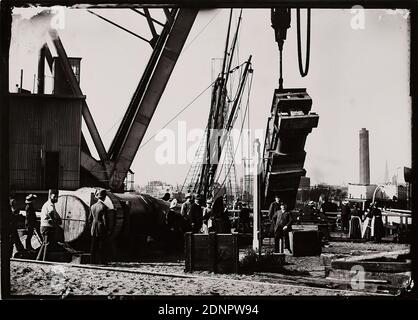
130 214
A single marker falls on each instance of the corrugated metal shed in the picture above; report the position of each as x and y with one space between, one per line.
44 129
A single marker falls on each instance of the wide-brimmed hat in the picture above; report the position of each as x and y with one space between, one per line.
53 191
173 204
30 198
188 195
100 193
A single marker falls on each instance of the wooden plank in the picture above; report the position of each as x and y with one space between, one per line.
395 281
188 252
235 253
385 254
212 252
390 267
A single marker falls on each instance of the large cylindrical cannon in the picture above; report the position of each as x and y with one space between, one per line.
133 217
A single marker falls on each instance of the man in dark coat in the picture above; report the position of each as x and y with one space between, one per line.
345 216
244 218
355 223
222 224
14 221
282 220
185 212
99 228
378 227
274 206
30 221
196 215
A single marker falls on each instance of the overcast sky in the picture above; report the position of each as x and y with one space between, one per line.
357 78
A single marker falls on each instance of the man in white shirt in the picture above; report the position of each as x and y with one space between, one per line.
50 220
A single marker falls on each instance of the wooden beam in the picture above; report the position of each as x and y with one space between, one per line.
88 118
373 266
93 166
144 15
384 254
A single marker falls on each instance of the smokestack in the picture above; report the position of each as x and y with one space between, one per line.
364 157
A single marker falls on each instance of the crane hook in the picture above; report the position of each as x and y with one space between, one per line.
280 22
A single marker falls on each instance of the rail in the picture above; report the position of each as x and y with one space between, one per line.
271 281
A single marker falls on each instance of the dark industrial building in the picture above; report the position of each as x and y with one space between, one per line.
45 134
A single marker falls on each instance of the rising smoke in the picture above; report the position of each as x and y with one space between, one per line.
30 31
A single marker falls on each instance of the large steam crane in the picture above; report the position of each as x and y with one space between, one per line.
289 124
111 170
135 215
132 217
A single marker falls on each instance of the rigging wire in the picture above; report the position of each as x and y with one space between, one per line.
201 31
236 114
194 163
184 50
176 115
242 127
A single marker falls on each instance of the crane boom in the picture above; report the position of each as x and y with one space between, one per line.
153 92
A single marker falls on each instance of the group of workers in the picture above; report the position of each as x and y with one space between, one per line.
214 217
359 225
49 231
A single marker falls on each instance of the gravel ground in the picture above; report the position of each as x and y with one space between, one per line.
31 279
35 279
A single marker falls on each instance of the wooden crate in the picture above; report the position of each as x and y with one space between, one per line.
305 243
213 252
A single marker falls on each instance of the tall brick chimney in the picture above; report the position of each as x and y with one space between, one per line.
364 157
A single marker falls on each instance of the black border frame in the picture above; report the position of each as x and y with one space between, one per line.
5 34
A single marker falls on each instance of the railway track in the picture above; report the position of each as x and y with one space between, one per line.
270 282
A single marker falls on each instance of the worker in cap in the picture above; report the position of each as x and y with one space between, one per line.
196 215
175 226
207 221
170 215
274 206
345 216
282 221
244 218
14 221
185 212
99 230
30 222
50 222
173 203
